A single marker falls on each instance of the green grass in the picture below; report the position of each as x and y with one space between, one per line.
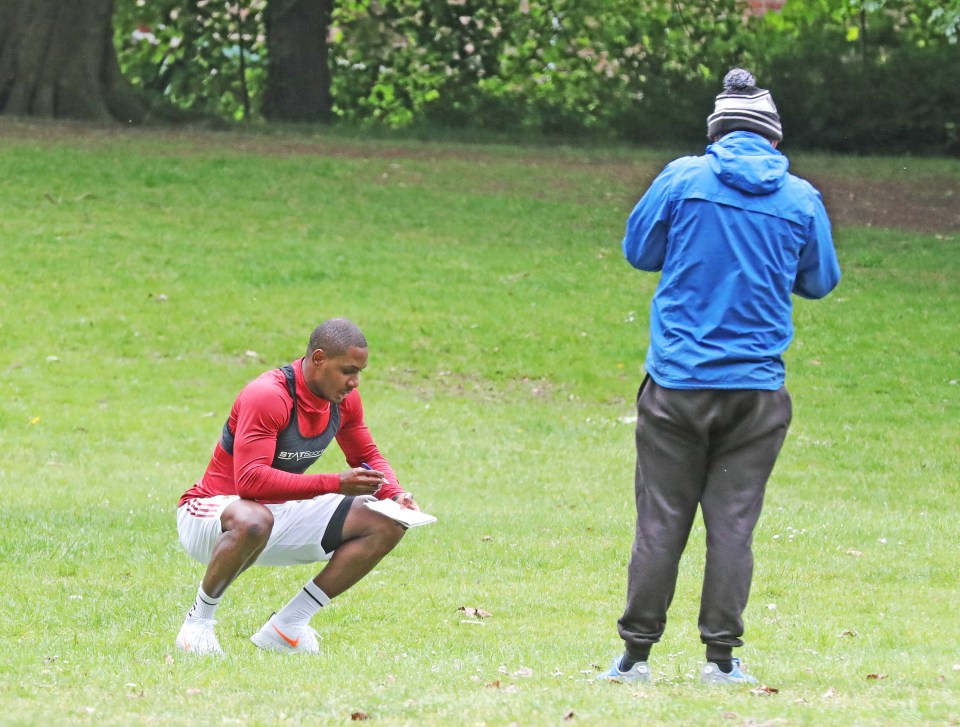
147 276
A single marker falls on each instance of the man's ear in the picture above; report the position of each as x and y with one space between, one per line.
318 357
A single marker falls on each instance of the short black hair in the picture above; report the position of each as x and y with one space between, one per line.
335 336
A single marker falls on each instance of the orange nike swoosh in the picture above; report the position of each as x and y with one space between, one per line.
293 642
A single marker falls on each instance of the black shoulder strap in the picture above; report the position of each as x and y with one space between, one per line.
226 436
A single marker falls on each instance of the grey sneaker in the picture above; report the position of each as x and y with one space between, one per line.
639 672
711 674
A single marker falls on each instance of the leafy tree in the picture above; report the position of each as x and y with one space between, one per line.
211 55
866 75
643 70
202 55
565 65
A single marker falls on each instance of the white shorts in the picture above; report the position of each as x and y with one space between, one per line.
298 528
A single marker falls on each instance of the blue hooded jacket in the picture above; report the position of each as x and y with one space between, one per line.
734 233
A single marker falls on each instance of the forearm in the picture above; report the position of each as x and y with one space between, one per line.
262 482
818 270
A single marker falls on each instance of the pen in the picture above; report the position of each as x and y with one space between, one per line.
368 467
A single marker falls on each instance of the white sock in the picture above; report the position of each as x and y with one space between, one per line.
204 606
303 606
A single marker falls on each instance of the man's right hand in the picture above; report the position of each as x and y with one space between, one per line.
360 481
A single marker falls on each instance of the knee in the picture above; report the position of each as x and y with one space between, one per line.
729 538
253 527
389 533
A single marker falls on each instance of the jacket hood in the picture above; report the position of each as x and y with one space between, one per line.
747 162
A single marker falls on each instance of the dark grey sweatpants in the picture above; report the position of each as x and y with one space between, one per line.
712 448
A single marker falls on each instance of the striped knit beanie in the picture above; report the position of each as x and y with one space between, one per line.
741 106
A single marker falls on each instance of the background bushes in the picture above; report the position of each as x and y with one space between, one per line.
847 76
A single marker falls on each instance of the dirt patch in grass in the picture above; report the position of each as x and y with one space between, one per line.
930 204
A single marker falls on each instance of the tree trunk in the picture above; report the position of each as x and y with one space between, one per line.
298 74
57 60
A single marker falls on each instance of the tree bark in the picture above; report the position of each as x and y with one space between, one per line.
57 60
298 71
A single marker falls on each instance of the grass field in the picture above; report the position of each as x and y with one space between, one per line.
146 276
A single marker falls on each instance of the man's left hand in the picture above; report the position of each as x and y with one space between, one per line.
405 499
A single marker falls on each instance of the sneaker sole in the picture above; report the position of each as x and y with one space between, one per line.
268 644
200 652
622 680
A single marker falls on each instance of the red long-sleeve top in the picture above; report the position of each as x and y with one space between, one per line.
260 412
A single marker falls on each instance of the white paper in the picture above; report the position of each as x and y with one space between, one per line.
403 515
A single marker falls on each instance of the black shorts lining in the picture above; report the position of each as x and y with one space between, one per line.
333 535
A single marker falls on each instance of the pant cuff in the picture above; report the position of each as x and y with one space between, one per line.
719 653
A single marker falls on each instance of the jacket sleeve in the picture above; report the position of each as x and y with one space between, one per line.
645 241
818 271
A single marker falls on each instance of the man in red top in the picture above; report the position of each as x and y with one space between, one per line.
255 505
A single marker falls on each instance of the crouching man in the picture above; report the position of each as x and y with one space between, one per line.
256 505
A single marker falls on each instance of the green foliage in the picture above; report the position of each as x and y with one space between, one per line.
848 75
874 22
863 77
203 55
563 66
907 103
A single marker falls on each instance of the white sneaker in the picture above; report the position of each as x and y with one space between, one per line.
198 637
299 639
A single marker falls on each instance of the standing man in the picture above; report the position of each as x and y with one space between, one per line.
255 505
733 234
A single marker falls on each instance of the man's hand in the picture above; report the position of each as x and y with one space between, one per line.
360 481
405 499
